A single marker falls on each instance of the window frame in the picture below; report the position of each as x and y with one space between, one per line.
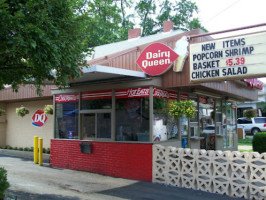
100 111
66 98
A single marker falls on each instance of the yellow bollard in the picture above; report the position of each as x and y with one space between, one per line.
35 155
40 151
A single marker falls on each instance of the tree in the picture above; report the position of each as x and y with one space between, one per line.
126 18
48 40
42 40
109 20
180 12
146 10
250 113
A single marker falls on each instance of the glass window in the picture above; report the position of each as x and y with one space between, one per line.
260 120
96 125
96 114
96 104
240 121
207 125
247 121
244 121
88 124
96 100
219 128
104 120
164 126
230 123
194 121
132 114
66 116
184 131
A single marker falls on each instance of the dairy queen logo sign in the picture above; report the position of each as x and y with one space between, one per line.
39 118
156 59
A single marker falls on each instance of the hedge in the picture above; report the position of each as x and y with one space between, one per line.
259 142
3 182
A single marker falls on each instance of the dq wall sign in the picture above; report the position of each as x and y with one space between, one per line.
231 58
39 118
156 59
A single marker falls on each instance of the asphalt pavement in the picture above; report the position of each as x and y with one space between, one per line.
30 181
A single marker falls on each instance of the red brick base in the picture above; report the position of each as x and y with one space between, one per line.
123 160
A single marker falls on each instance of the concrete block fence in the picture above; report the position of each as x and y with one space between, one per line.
231 173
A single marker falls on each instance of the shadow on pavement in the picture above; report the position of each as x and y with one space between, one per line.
16 195
153 191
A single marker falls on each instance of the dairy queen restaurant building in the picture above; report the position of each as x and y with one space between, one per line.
108 120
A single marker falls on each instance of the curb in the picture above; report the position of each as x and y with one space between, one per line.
23 154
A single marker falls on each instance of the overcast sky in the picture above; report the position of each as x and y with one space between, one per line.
218 15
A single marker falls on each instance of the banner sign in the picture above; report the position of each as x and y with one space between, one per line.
144 92
64 98
165 94
254 83
104 94
156 59
132 93
39 118
231 58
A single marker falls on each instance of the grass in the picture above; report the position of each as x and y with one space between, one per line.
242 150
247 141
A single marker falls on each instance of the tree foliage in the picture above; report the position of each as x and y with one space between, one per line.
42 40
154 12
47 40
250 113
111 19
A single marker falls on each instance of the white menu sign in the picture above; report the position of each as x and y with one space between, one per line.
231 58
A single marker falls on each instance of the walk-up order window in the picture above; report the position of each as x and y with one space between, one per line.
94 111
93 115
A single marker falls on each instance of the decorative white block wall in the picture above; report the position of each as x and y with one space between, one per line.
224 172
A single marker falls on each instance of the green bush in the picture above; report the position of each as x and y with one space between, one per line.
9 147
259 142
3 182
26 149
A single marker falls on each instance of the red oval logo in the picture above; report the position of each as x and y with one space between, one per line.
156 59
39 118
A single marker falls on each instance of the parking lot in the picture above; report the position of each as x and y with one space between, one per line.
30 181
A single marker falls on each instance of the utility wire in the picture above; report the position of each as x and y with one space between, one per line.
212 18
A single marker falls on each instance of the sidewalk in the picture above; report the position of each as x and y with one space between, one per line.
30 181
